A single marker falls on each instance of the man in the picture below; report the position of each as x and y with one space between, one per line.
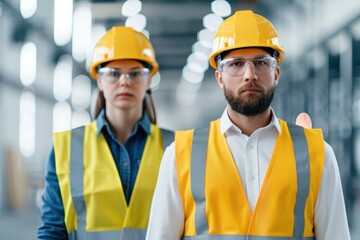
249 175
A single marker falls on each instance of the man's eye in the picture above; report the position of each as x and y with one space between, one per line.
260 62
236 63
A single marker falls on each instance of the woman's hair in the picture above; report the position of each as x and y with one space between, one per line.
99 104
149 106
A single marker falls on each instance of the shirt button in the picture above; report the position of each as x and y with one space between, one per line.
252 178
125 164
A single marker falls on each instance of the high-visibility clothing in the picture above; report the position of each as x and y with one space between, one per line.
91 190
215 203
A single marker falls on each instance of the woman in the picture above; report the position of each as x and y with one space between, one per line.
100 178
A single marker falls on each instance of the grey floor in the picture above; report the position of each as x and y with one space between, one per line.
22 225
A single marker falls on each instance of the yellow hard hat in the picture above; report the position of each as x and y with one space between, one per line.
123 43
245 29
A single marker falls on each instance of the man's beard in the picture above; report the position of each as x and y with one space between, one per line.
251 107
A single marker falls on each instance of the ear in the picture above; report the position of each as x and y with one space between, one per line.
277 75
219 78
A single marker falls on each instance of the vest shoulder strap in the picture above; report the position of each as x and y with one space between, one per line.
77 174
197 175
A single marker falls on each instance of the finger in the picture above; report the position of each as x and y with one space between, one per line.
303 120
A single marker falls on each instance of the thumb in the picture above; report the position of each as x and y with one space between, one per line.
303 120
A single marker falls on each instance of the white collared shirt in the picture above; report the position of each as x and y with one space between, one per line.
251 155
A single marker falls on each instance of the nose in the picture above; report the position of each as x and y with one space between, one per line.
249 72
125 79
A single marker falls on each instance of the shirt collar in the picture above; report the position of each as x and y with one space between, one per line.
226 124
102 122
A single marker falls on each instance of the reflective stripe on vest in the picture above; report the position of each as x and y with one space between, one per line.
128 233
237 237
303 173
197 175
199 148
128 222
76 177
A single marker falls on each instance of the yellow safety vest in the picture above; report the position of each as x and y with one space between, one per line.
215 202
91 190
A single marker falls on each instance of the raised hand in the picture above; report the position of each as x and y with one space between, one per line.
303 120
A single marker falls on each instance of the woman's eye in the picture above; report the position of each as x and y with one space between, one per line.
114 74
135 74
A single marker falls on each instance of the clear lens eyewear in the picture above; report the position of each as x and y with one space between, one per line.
112 75
236 66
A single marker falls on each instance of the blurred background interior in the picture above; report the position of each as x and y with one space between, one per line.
45 87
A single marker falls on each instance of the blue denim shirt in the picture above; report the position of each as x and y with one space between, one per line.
127 158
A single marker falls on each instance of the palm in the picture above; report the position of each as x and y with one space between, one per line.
304 120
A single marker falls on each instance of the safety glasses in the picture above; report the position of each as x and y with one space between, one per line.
113 75
236 66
